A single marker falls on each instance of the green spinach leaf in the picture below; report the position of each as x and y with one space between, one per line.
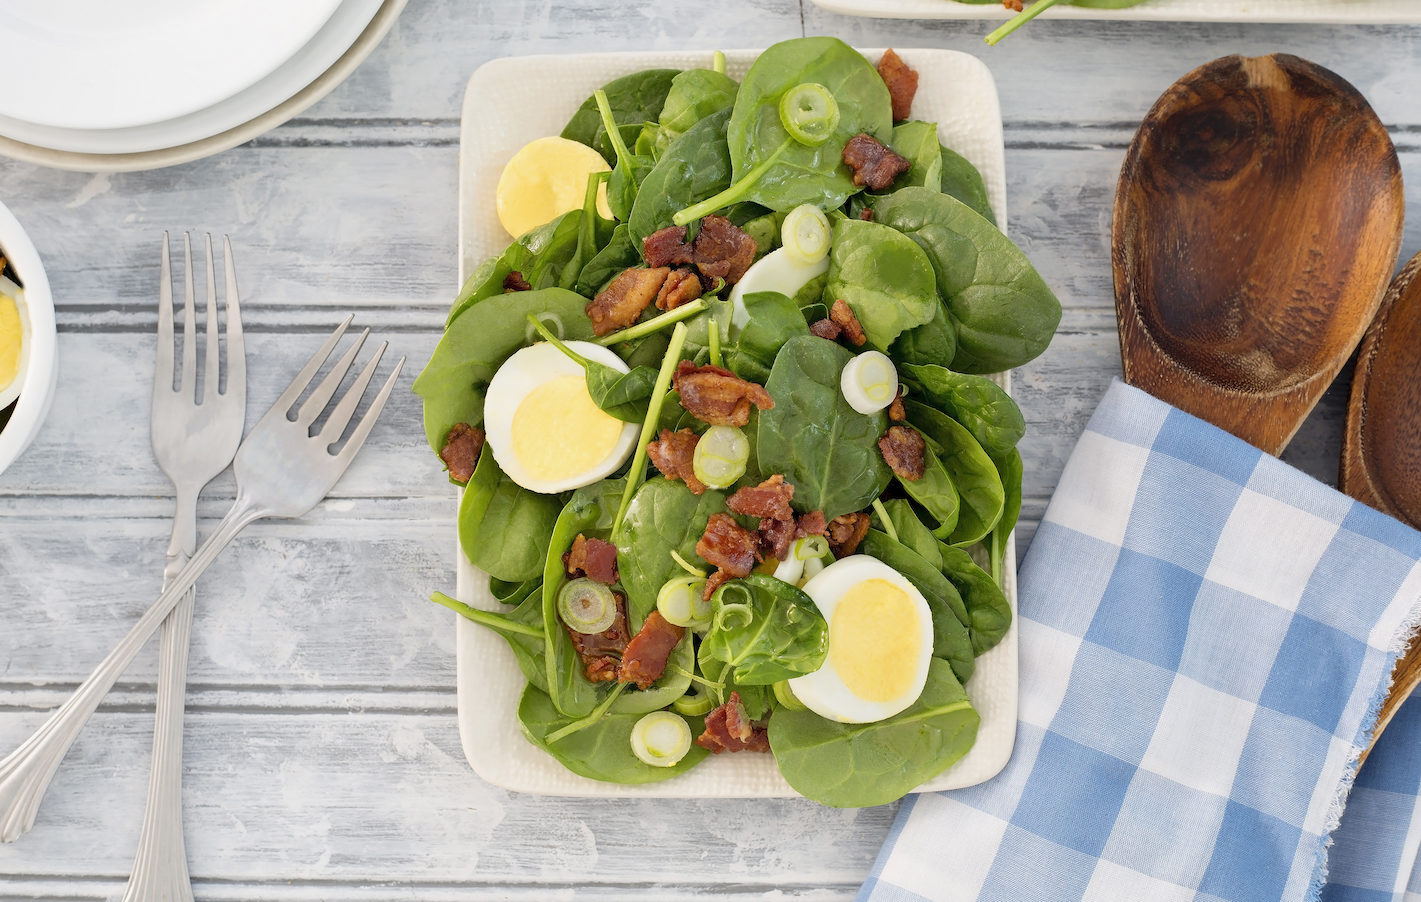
766 630
542 255
619 254
960 179
694 95
771 319
503 527
934 342
635 99
884 276
521 628
917 142
513 593
1010 469
663 517
978 403
972 471
987 608
936 492
694 167
911 531
757 700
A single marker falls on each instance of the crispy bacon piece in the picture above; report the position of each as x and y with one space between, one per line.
644 661
873 163
718 396
720 250
810 524
592 558
514 281
826 328
769 499
896 413
461 451
728 729
903 449
681 287
620 304
846 531
902 82
601 653
728 545
776 537
674 455
843 316
717 579
866 214
1013 5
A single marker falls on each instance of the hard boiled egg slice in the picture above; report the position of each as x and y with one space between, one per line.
542 425
880 642
14 341
776 271
545 179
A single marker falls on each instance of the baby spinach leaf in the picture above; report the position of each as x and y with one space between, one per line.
978 403
972 472
884 276
503 527
857 765
771 319
766 630
663 517
827 450
476 343
694 95
694 167
987 607
936 492
1010 469
917 142
934 342
757 700
623 395
911 531
1004 313
602 751
542 255
960 179
619 254
672 685
521 628
951 640
635 99
510 592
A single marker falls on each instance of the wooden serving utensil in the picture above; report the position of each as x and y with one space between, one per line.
1257 220
1381 447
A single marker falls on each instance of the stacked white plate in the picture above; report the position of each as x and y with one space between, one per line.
101 86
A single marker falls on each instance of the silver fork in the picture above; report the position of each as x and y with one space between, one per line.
193 441
284 467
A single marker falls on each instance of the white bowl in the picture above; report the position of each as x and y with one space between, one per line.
42 371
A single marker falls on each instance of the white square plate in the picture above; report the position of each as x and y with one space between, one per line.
508 103
1334 12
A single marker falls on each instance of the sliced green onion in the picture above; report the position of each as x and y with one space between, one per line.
713 340
680 601
636 473
695 702
809 112
811 568
786 697
687 565
804 550
884 519
543 320
655 324
869 382
661 738
587 606
807 548
805 234
718 62
721 456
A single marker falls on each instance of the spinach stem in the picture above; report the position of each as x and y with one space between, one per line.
489 619
718 62
713 340
655 324
609 123
1020 19
597 714
686 565
996 551
695 677
886 520
637 473
735 192
556 342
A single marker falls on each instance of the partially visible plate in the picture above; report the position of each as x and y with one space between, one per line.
508 103
1321 12
108 64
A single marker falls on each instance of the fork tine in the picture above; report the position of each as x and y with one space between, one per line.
323 393
213 352
236 347
308 372
367 422
189 384
163 371
343 411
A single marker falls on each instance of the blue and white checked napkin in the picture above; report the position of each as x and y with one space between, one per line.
1206 636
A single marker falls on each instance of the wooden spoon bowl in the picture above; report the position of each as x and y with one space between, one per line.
1257 221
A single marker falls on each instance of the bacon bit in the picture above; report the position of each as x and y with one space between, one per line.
866 214
666 247
826 329
810 524
728 729
644 661
776 537
1013 5
873 163
601 653
681 287
674 456
592 558
718 396
720 250
903 449
461 450
896 413
514 281
728 545
717 579
769 499
846 531
902 80
620 304
843 316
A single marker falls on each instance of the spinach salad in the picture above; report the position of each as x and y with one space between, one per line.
1025 13
732 459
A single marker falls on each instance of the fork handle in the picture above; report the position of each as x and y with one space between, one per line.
25 774
160 865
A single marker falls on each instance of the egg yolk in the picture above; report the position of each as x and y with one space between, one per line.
11 340
875 640
545 179
558 432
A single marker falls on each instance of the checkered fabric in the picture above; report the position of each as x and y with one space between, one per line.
1206 636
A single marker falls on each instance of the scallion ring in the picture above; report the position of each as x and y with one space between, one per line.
661 738
786 697
696 701
681 602
809 112
587 606
805 234
721 456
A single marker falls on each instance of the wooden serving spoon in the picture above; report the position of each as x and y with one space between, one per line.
1381 447
1257 220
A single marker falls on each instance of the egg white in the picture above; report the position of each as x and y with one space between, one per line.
824 691
8 393
523 372
776 271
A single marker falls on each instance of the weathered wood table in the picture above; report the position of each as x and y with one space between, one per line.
322 758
